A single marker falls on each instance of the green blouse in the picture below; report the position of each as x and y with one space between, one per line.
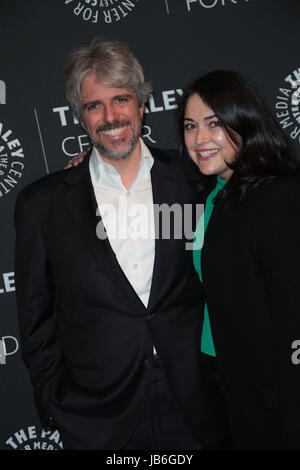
207 344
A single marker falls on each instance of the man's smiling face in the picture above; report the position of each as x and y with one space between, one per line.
111 117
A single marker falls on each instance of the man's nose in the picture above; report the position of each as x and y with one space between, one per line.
110 114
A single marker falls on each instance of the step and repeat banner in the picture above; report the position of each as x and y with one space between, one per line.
175 41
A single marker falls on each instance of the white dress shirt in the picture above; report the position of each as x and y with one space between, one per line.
128 218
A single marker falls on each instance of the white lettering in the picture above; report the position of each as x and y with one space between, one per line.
2 92
146 131
168 98
32 432
2 353
71 146
295 133
210 3
168 101
9 282
62 114
296 354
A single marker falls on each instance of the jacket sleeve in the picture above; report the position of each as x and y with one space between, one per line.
35 292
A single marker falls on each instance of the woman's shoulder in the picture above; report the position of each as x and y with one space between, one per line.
285 185
278 187
280 194
271 196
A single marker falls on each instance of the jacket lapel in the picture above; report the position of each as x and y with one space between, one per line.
83 206
164 192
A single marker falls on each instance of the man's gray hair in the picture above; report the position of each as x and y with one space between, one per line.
113 64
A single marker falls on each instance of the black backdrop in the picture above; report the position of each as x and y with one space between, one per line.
175 40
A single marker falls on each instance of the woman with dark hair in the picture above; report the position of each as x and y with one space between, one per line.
249 263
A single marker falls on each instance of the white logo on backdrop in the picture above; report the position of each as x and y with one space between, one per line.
2 92
9 345
32 438
8 284
11 160
192 4
288 105
109 11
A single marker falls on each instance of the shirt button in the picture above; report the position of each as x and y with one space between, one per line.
135 266
128 193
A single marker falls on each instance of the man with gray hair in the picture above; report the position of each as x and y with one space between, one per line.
110 325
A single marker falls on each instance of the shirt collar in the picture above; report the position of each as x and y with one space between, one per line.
101 171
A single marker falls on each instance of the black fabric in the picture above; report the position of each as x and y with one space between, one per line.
86 336
251 266
161 425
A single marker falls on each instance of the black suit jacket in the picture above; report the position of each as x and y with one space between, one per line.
251 273
86 337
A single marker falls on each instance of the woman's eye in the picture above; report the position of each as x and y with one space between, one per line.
189 127
214 124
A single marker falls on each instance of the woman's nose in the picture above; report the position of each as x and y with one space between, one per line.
201 135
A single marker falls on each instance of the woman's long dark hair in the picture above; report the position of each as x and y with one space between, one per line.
263 152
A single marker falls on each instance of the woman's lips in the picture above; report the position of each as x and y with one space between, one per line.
206 154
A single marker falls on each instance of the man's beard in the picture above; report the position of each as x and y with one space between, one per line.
114 154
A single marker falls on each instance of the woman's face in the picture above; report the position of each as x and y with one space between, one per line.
206 141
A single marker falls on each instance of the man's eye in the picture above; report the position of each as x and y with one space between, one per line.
121 99
93 106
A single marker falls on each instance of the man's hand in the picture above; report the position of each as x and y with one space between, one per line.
75 161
